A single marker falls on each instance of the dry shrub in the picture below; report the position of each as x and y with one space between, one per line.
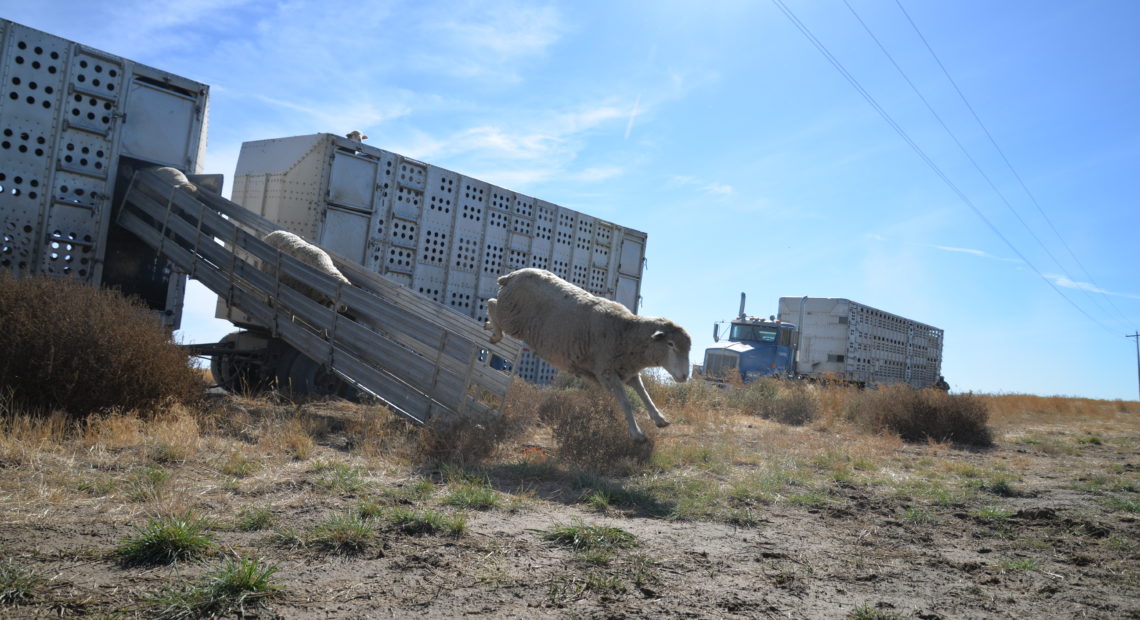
787 402
473 440
922 415
73 347
379 432
590 433
696 403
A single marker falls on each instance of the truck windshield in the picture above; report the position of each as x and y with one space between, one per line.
759 333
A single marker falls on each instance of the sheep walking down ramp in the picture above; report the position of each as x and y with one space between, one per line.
314 256
589 336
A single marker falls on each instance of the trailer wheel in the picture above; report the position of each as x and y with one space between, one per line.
307 377
236 371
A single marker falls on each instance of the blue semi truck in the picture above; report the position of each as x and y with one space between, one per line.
827 338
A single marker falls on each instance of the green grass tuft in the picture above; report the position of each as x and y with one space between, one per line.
164 540
236 587
583 537
17 583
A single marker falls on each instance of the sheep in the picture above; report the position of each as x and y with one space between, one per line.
176 178
295 246
588 336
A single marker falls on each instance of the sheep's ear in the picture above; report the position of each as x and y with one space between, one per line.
658 335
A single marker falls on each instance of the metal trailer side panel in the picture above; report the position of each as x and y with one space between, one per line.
445 235
863 343
67 115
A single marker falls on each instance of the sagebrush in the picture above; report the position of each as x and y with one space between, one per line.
80 349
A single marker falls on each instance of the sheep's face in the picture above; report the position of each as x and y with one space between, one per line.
672 343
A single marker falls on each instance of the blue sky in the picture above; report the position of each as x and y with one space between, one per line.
751 161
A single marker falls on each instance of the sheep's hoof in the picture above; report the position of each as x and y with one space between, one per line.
662 423
495 339
640 438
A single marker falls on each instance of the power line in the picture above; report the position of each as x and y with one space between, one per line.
1008 164
922 154
962 147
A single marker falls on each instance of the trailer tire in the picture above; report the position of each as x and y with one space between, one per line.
235 371
308 378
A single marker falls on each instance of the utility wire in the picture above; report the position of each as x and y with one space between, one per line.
1005 159
966 152
922 154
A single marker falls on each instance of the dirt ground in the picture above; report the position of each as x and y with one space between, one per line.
1043 525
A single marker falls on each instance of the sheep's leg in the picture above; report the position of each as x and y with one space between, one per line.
493 321
611 382
654 412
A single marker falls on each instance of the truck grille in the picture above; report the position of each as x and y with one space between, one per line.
721 364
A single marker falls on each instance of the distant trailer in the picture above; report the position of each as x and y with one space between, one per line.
848 340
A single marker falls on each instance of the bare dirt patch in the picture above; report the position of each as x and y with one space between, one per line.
733 517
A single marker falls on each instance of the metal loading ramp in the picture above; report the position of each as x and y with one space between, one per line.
420 357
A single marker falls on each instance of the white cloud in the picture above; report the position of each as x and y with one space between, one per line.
477 40
719 189
1066 282
713 188
598 173
973 252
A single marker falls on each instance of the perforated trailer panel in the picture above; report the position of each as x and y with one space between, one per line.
442 234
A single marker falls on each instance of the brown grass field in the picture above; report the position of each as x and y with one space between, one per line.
267 508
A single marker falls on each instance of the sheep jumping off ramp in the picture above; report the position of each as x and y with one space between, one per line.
589 336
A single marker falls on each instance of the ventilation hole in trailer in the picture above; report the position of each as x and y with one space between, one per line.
113 73
6 145
13 95
95 82
54 55
19 60
83 63
51 69
36 64
80 78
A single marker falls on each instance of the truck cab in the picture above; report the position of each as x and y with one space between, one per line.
755 347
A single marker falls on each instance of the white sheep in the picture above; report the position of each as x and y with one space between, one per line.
588 336
295 246
176 178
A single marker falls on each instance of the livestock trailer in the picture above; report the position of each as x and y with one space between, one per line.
69 114
442 234
847 339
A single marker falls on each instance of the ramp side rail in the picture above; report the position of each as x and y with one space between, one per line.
420 357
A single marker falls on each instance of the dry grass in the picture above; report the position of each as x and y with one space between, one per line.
246 465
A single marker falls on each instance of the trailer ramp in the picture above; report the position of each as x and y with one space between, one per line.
422 358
